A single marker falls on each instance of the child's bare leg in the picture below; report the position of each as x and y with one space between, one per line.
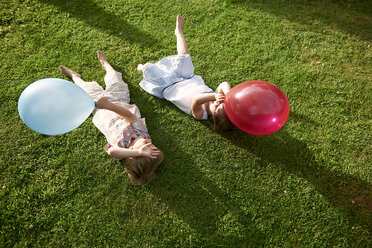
92 88
181 42
76 77
105 64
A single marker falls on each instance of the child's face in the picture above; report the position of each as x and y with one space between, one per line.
140 141
217 108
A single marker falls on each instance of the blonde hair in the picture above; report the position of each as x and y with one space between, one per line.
142 170
220 122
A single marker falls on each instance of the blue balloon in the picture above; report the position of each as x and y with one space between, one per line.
54 106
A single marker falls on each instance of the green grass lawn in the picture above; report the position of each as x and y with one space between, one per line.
307 185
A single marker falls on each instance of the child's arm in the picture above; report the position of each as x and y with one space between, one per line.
198 101
147 150
103 103
223 88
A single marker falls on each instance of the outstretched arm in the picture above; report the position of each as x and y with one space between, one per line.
103 103
147 150
223 88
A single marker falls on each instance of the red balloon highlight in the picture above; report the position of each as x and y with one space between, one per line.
257 107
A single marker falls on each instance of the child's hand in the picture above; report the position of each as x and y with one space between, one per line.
148 150
102 103
220 98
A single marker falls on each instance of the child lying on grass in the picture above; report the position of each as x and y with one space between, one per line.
121 123
173 78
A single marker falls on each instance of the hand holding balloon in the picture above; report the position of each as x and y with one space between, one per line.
54 106
257 107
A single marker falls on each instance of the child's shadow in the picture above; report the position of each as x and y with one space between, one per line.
100 18
348 193
209 211
339 15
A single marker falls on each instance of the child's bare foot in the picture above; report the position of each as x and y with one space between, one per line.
102 59
139 67
66 71
142 67
179 25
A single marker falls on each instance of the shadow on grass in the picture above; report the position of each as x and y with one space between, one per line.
351 16
194 198
96 16
217 219
346 192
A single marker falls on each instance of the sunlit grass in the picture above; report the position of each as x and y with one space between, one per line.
307 185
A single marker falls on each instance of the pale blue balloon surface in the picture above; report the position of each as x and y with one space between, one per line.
54 106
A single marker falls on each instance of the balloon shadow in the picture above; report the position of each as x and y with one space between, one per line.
350 194
199 202
352 17
98 17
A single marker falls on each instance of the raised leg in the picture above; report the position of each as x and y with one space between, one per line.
116 88
181 42
105 64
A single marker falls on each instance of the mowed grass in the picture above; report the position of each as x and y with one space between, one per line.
307 185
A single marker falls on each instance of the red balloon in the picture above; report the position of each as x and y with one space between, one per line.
257 107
